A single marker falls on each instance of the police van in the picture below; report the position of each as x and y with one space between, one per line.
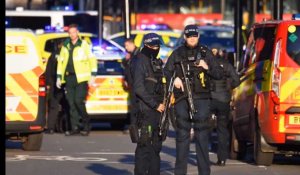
266 105
25 91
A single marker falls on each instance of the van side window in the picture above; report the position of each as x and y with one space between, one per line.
293 43
264 43
27 22
250 51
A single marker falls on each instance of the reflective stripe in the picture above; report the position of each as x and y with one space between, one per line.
290 86
83 75
17 90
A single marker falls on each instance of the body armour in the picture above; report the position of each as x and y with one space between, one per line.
200 80
148 81
221 89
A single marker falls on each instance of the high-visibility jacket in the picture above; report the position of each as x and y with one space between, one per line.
84 61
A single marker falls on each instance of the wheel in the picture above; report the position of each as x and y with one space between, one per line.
261 158
118 125
33 142
237 148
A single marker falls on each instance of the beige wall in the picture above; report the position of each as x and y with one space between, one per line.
35 4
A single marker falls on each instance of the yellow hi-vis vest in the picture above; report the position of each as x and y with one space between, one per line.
84 61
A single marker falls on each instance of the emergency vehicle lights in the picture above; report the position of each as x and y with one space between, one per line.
296 17
54 28
65 8
154 27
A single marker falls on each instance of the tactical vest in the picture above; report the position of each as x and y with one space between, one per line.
220 85
154 82
200 81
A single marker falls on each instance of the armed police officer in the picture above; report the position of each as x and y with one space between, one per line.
148 87
193 63
220 105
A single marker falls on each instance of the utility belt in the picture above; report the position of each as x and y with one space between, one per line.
220 85
142 132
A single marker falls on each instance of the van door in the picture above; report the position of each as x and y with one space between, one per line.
23 68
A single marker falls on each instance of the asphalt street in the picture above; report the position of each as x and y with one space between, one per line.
110 152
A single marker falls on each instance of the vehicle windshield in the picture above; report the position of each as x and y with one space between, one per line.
110 67
293 43
105 45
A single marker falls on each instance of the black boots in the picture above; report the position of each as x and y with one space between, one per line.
86 129
221 162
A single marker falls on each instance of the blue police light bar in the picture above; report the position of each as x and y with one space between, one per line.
154 27
296 17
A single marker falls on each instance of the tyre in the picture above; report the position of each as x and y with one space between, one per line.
33 142
261 158
118 125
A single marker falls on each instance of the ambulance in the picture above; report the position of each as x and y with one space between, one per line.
25 91
266 105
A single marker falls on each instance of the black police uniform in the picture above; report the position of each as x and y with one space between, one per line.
55 96
129 68
147 85
200 84
221 96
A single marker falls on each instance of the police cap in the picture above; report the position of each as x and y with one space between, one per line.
191 30
152 39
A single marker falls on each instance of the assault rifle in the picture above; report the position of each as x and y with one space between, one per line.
164 119
188 91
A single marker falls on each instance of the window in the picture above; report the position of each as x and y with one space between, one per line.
27 22
293 43
264 43
110 67
249 53
85 22
121 39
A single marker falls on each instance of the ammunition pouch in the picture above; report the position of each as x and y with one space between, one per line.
146 135
140 134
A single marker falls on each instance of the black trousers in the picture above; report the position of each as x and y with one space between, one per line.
134 108
55 96
76 94
147 158
221 110
201 134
